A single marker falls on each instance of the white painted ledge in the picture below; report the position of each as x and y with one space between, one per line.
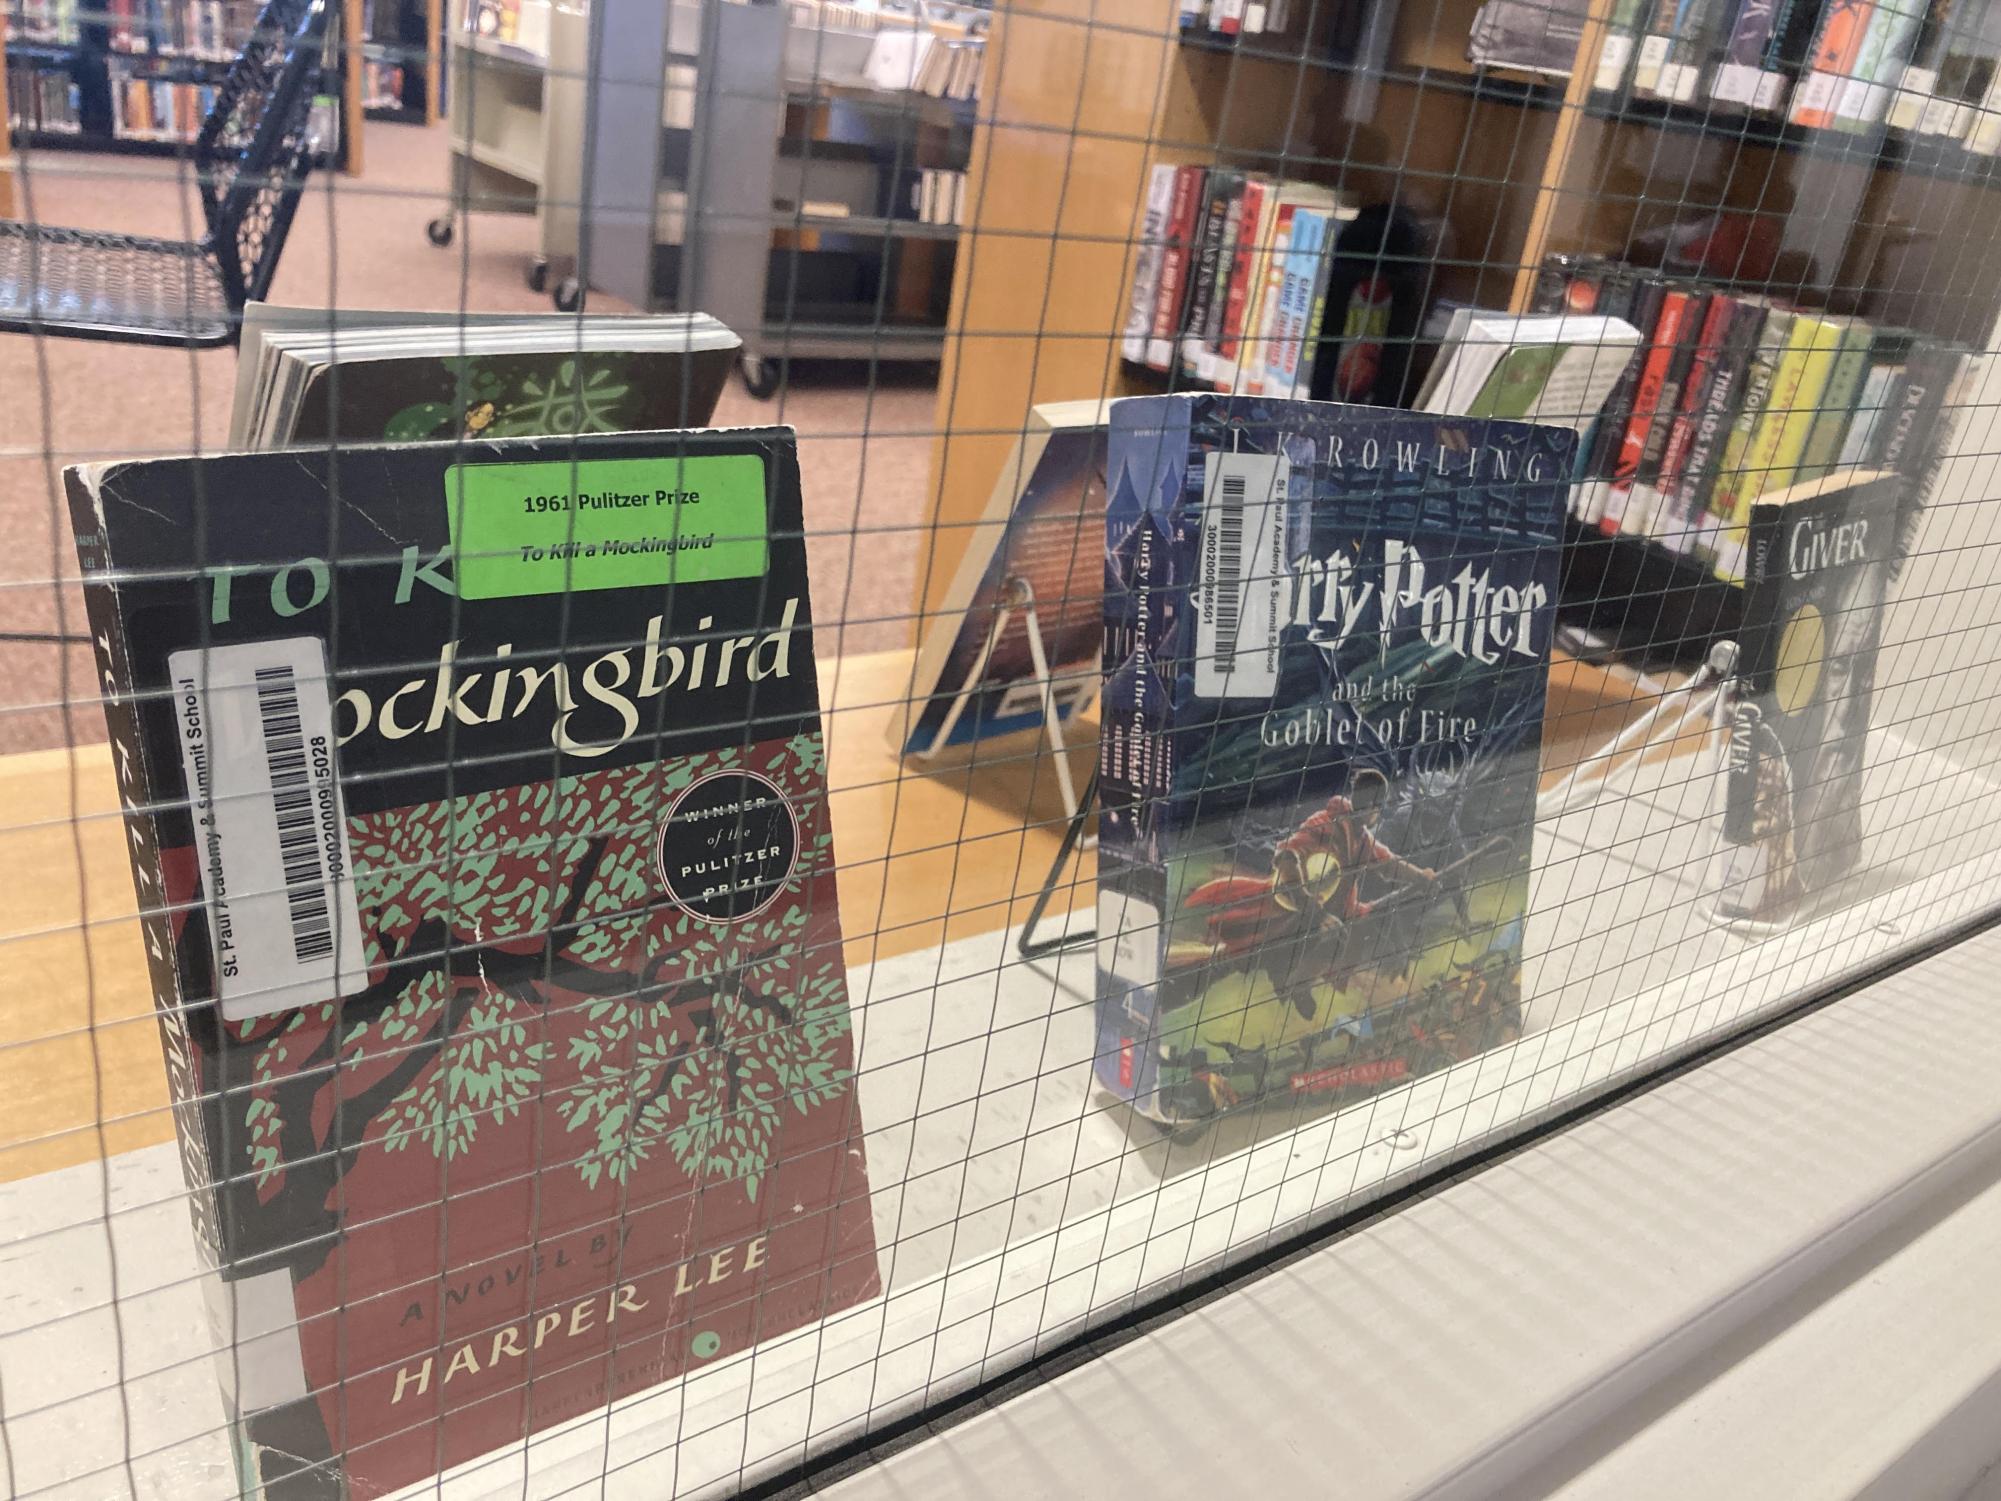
1770 1276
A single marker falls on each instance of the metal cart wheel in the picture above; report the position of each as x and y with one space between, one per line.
569 295
439 231
760 377
538 275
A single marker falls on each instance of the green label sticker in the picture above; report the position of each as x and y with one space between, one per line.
541 528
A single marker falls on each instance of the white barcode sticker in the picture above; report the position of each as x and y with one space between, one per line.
1678 82
256 727
1815 94
1241 575
1647 71
1735 83
1771 89
1914 93
1129 938
1612 61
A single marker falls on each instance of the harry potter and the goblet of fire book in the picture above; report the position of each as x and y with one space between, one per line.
478 815
1327 637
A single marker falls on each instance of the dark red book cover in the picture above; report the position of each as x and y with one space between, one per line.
1646 404
478 813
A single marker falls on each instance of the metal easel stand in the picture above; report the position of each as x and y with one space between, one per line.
1019 596
1709 695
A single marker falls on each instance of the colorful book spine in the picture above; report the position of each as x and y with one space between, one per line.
1671 521
1146 264
1864 100
1664 344
1774 457
1615 53
1723 534
1838 401
1256 359
1643 312
1696 486
1881 391
1236 303
1174 266
1222 189
1302 271
1843 26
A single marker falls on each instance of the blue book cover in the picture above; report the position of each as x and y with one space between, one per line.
1327 636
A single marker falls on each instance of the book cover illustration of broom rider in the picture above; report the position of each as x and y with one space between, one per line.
1327 640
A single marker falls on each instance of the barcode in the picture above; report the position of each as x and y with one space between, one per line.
1229 576
299 852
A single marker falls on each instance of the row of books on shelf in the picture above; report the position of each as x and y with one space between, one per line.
938 195
1230 280
157 109
1923 66
1234 17
1714 398
50 22
381 85
209 29
42 100
923 61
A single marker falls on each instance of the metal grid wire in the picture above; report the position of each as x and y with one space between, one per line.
910 273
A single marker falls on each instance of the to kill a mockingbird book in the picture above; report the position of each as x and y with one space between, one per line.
477 810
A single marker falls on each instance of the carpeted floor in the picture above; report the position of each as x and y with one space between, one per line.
359 243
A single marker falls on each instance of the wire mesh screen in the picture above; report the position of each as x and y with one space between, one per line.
720 718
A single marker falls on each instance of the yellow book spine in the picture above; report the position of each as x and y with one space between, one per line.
1796 391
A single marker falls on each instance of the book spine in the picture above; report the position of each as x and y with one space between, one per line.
1615 53
1316 318
1740 69
1864 100
1146 264
1712 429
1135 773
1256 360
1236 305
1843 27
1917 84
1647 478
1730 504
1174 267
1687 49
1301 263
1219 285
1672 518
1981 130
1782 432
1881 391
1661 350
1916 442
196 1111
1837 402
1755 671
1567 284
1202 271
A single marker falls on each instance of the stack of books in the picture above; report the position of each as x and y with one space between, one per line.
1923 66
1730 396
1230 281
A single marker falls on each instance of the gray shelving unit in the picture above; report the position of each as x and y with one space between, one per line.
704 193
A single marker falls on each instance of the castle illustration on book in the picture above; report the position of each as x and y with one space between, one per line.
1327 640
479 824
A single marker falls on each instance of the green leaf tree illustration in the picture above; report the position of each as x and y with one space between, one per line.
481 913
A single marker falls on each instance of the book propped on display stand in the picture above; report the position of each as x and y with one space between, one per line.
478 816
1821 558
1327 634
1035 545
